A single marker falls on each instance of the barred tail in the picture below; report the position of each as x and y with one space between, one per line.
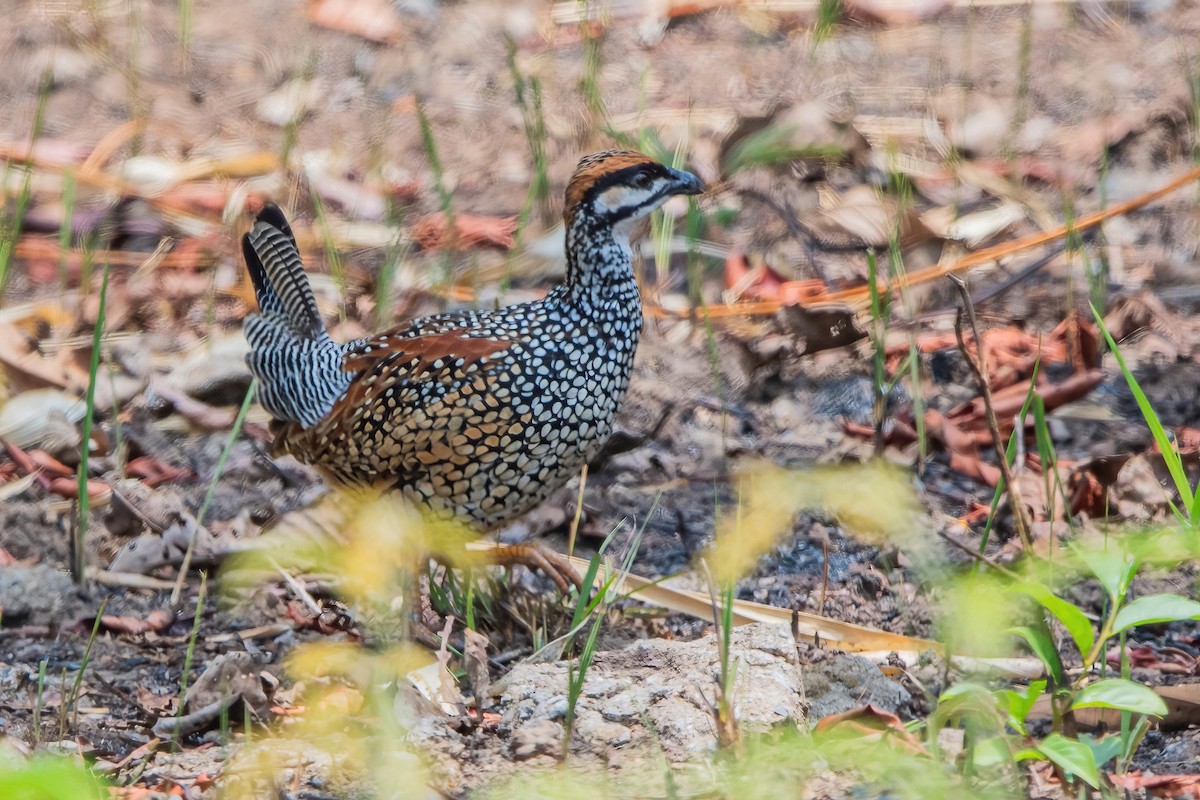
298 367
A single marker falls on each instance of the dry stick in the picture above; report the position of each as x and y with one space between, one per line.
858 296
980 557
578 511
979 368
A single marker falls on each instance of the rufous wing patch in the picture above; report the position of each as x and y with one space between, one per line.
426 349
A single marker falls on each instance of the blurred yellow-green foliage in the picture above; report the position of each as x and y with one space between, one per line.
874 501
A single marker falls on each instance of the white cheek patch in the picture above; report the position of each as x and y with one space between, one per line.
615 197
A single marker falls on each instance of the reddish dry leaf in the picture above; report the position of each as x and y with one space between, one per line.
973 467
202 415
896 12
1088 495
799 293
950 431
25 463
473 231
375 20
742 280
1158 785
154 472
1007 402
50 464
870 720
155 622
69 488
1169 660
976 514
1187 440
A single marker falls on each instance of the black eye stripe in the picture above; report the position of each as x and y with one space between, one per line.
626 175
624 211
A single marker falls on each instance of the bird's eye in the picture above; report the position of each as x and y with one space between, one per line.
642 180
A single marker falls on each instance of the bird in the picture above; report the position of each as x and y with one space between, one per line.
474 415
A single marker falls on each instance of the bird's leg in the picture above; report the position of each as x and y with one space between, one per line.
555 565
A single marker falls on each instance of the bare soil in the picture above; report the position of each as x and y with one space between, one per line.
1028 95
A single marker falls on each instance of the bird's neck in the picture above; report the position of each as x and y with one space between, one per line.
600 264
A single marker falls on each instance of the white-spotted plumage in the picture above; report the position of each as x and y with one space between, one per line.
475 414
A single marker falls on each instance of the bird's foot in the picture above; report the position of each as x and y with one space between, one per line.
554 565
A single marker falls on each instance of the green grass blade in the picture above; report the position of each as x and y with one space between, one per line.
1170 455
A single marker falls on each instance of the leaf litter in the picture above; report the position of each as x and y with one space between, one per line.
764 357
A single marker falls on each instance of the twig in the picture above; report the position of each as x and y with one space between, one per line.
583 473
298 589
980 557
979 368
1025 272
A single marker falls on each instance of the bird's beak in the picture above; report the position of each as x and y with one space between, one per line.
686 183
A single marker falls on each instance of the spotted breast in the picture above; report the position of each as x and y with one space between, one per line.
476 414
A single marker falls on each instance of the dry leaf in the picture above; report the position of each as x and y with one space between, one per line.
376 20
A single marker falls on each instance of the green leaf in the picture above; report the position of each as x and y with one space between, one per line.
1121 694
1074 620
1021 703
1155 608
1040 643
989 753
1104 749
1170 455
1072 757
1113 569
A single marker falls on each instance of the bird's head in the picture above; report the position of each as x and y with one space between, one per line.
616 187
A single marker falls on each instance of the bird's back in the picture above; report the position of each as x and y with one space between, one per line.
478 414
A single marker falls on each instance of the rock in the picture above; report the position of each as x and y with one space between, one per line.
538 738
842 682
39 595
670 684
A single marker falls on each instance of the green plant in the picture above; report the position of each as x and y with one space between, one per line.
445 198
596 608
989 715
79 540
773 145
238 421
291 131
528 93
592 35
332 257
1190 498
901 186
186 7
47 778
728 733
191 650
882 385
828 13
39 701
1024 63
662 221
10 225
64 231
69 703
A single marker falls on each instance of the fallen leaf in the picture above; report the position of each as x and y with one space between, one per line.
1158 785
870 720
375 20
472 231
155 622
